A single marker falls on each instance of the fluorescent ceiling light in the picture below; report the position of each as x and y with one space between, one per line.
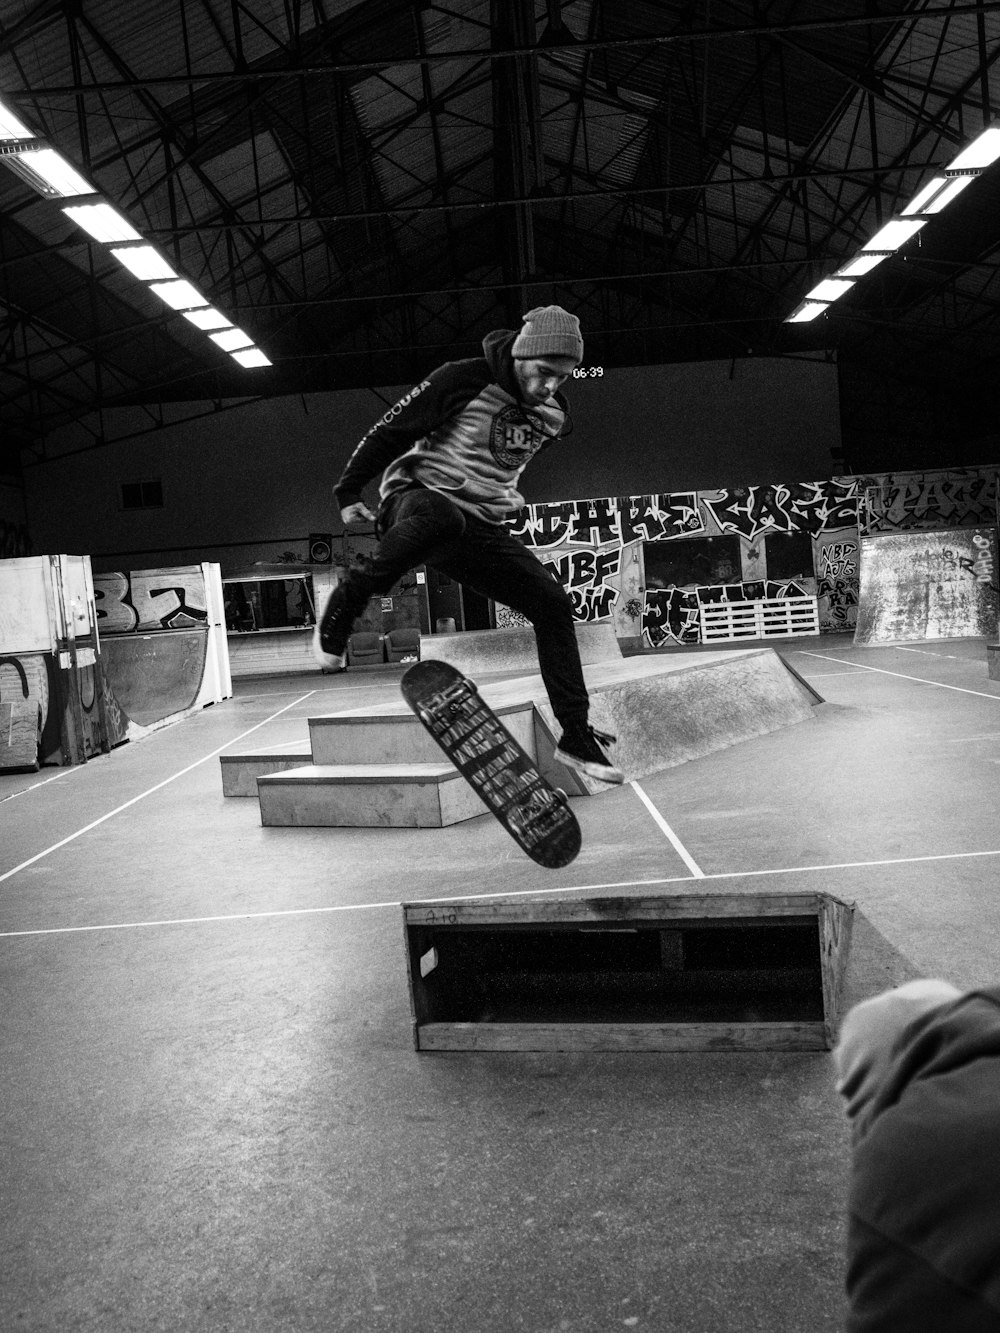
230 339
103 222
208 319
859 265
936 193
253 356
11 127
893 235
48 172
143 261
829 289
807 310
180 295
980 153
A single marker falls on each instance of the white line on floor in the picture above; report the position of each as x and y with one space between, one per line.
899 675
328 689
142 795
926 652
512 893
825 675
668 833
44 782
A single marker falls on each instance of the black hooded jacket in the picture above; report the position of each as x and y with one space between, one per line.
924 1213
464 431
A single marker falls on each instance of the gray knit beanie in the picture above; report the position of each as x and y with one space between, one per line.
549 330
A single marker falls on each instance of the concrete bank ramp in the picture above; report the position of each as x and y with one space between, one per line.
668 711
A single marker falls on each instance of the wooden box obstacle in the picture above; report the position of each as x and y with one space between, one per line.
679 973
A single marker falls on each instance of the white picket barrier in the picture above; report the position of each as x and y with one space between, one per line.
771 618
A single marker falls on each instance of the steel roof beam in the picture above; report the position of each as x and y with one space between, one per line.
906 16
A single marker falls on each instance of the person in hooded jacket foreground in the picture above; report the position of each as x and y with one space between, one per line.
451 453
919 1070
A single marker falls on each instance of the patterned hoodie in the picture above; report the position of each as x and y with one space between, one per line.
464 431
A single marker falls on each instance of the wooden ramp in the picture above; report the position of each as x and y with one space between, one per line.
927 585
679 972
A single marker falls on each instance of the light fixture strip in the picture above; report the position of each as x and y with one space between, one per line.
929 200
47 171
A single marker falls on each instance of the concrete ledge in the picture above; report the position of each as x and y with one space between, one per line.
367 796
241 771
487 650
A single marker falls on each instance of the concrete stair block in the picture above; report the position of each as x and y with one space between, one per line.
407 795
397 737
241 771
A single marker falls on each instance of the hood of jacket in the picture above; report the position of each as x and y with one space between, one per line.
878 1069
497 351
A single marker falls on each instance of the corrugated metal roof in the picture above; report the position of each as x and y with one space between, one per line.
745 139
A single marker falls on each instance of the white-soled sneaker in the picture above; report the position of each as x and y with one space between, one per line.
580 747
327 661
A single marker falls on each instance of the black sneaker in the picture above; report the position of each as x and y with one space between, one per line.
580 748
329 642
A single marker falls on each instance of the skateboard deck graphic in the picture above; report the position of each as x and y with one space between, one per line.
536 815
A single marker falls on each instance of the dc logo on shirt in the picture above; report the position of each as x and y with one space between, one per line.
513 439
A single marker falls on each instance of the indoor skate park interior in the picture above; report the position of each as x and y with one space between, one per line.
294 1035
219 1113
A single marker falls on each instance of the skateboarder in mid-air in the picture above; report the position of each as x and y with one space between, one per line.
451 452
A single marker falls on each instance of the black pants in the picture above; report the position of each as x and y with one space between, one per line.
419 526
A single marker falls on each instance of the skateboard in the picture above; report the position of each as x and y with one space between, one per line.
536 815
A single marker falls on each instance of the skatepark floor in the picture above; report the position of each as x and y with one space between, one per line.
213 1115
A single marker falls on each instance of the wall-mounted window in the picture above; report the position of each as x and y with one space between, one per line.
142 494
692 561
269 602
789 556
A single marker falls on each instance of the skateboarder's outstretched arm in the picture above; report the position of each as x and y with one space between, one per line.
443 393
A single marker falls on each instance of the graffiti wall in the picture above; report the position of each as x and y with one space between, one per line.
649 563
964 498
151 599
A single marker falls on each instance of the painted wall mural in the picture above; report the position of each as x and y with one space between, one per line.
602 550
617 521
151 599
962 498
755 511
